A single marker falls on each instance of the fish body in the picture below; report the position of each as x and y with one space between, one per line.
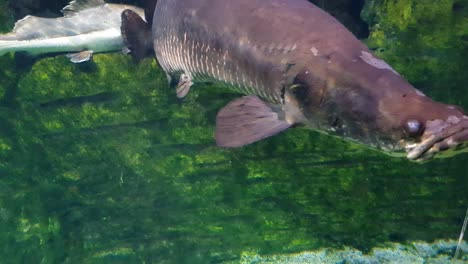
88 26
298 66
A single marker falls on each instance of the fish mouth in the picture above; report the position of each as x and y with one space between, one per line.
441 139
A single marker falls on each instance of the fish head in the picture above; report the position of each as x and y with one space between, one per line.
382 111
424 129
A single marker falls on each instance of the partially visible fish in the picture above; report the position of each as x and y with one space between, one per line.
87 27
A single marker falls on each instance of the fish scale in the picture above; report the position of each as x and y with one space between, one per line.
188 52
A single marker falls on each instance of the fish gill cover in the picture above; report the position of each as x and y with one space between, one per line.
101 163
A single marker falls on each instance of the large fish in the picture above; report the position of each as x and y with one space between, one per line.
87 27
297 65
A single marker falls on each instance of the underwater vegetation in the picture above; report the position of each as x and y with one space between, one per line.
438 252
101 163
426 41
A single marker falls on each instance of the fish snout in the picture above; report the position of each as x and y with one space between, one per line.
441 139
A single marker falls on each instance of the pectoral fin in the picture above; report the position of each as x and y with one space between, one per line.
136 34
80 56
247 120
183 87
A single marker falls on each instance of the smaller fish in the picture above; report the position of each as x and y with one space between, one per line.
87 27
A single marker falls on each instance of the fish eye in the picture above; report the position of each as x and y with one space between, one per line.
413 127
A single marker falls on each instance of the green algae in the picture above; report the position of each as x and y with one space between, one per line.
100 163
139 166
425 41
6 18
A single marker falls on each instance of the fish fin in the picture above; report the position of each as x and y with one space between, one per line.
25 21
80 57
78 5
183 87
136 34
247 120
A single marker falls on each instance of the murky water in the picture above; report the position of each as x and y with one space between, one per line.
100 163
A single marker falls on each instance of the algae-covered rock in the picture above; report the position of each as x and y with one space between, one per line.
417 252
107 162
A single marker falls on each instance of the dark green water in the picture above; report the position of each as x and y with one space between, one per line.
100 163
